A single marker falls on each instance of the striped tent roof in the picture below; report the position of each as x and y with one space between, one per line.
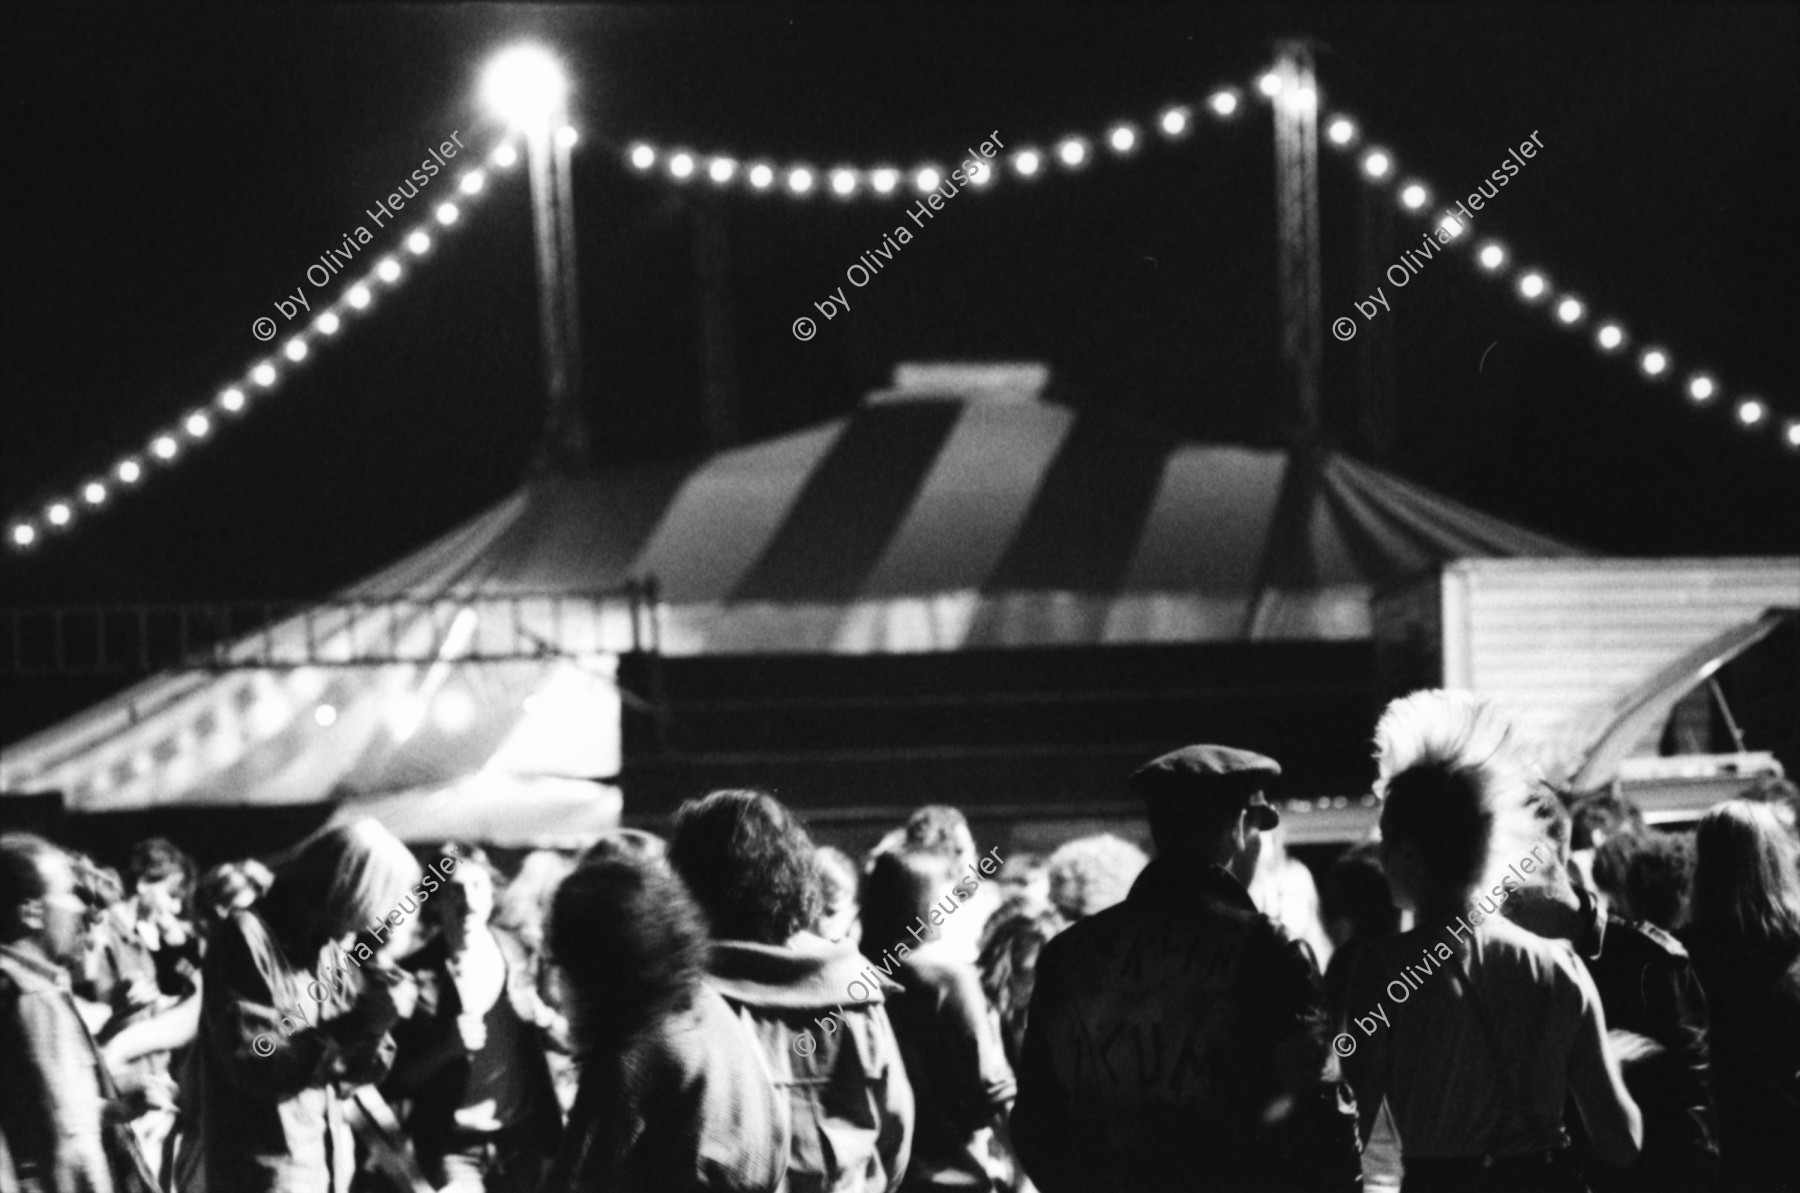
921 522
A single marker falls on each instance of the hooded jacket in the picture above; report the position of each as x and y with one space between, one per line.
823 1030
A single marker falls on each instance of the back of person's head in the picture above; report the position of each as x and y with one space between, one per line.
1444 809
1091 874
749 863
900 889
943 830
26 864
341 880
1010 944
1361 892
1648 874
1746 887
1599 815
630 941
1781 794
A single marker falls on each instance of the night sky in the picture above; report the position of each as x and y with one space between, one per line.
172 173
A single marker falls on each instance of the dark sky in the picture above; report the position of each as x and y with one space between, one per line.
172 173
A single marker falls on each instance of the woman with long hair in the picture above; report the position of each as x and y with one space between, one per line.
1474 1031
292 1017
1744 937
674 1096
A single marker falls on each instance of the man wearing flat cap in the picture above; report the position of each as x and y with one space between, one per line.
1178 1040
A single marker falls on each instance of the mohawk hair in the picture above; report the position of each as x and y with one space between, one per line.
1436 725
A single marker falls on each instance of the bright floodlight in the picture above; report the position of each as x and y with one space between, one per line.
800 180
59 514
843 182
1492 256
164 447
1451 226
418 242
1532 285
472 182
446 214
1653 363
295 350
94 493
198 425
643 157
566 136
328 323
388 270
1413 196
1701 387
981 174
884 180
1569 310
1377 164
1611 337
1072 152
23 535
524 85
761 176
505 157
681 165
928 180
1792 433
233 398
1224 103
1341 131
721 170
325 715
359 296
1027 162
1175 121
1121 139
263 374
129 471
1750 411
1269 84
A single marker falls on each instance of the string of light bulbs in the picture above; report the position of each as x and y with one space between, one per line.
886 181
169 446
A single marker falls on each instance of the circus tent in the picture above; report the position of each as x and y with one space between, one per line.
928 520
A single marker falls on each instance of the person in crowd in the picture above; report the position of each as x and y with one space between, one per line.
470 1059
1091 874
943 830
1745 941
1646 876
57 1097
840 912
1010 945
1283 889
674 1095
143 962
962 1084
1655 1011
1178 1040
816 1011
1474 1031
1365 912
523 908
1597 817
292 1017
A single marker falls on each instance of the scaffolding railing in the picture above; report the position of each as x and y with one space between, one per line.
144 637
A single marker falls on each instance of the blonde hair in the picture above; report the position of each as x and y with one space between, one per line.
1746 887
343 879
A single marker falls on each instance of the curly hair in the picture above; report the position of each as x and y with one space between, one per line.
1651 872
631 944
1091 874
749 863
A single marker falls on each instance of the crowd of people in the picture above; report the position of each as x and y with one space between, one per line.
1520 991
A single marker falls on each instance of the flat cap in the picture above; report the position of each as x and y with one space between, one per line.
1207 772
